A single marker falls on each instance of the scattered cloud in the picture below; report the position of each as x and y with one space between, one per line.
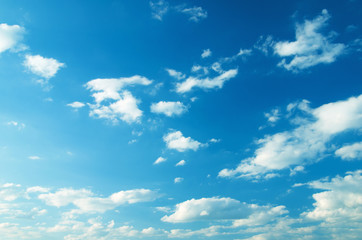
206 53
350 152
180 163
168 108
41 66
173 73
159 9
273 116
176 140
122 104
310 47
159 160
10 37
195 13
19 125
76 105
178 180
305 144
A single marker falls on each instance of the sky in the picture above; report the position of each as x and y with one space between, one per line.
176 119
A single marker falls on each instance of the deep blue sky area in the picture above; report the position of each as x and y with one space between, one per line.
176 119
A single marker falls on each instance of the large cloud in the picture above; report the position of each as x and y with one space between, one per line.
304 144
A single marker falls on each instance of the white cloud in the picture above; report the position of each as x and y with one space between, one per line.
175 74
88 203
159 160
310 47
303 145
124 105
37 189
109 88
178 180
273 116
181 163
34 157
159 9
195 13
10 36
41 66
206 53
340 205
168 108
206 83
76 104
176 140
350 152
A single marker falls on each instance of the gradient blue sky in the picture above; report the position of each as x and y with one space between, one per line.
180 119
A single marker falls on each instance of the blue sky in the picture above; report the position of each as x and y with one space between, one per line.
180 119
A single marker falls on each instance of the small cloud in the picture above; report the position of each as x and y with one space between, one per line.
132 141
176 140
159 160
206 53
273 116
10 37
34 157
214 140
173 73
76 105
168 108
178 180
181 163
41 66
195 13
20 126
159 9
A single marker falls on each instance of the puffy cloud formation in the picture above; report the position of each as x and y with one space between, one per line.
339 206
350 152
76 104
206 53
168 108
176 140
10 36
123 105
304 144
310 47
41 66
88 203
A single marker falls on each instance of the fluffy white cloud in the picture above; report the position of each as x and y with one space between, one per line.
273 116
206 83
195 13
76 104
175 74
304 144
340 203
41 66
10 36
208 209
159 160
123 105
176 140
310 47
109 88
350 152
168 108
88 203
206 53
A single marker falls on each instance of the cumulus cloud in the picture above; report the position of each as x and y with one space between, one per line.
350 152
176 140
206 83
87 202
122 105
10 37
311 47
206 53
173 73
273 116
159 160
168 108
340 204
76 104
41 66
303 145
178 180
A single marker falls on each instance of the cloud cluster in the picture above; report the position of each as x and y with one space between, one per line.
112 101
176 140
305 144
310 47
160 7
